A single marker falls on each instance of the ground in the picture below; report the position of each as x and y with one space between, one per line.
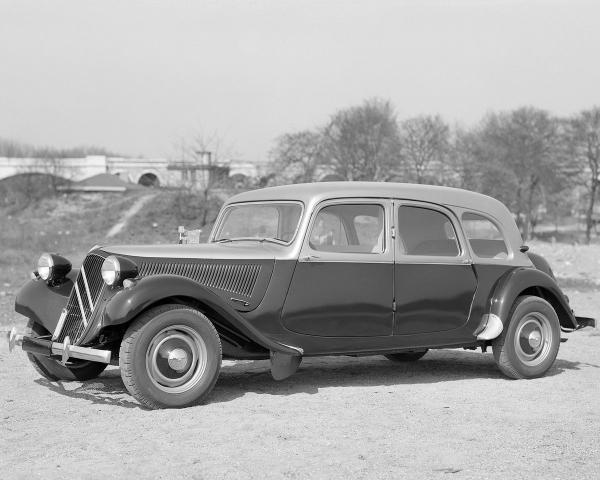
450 414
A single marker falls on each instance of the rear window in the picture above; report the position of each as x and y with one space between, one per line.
484 236
422 231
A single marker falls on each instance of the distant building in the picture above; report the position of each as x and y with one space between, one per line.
198 172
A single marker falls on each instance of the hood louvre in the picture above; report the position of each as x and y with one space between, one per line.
238 279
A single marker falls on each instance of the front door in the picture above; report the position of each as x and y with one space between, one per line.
434 280
343 282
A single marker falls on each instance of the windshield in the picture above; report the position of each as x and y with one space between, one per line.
269 221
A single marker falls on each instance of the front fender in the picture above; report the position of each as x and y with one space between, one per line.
517 281
128 303
43 303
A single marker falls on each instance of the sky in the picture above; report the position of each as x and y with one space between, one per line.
138 77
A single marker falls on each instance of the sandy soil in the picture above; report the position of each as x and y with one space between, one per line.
450 414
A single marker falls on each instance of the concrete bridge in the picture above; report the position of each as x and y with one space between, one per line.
145 171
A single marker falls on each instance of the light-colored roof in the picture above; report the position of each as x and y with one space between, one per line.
313 193
316 192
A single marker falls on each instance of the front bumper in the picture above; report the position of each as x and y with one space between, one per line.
48 348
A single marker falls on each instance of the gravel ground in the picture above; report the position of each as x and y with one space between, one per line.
450 414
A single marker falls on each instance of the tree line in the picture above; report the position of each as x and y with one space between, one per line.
527 158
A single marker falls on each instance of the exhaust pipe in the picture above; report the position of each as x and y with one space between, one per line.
42 346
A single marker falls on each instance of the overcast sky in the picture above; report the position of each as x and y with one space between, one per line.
135 77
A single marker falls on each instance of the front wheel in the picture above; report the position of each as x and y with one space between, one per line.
528 345
53 370
170 357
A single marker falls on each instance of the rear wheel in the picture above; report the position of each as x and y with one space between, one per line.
170 357
53 370
528 345
406 356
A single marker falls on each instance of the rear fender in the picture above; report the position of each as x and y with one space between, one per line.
128 303
529 281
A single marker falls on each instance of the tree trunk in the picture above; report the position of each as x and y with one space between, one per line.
205 208
589 216
527 227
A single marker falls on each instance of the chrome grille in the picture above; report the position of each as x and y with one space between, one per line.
88 288
238 279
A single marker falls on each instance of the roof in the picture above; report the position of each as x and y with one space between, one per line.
316 192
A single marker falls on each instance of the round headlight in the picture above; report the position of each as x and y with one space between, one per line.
111 270
45 266
53 268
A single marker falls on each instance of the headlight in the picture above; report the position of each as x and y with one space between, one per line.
52 267
45 266
111 270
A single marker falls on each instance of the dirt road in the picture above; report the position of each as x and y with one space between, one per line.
450 415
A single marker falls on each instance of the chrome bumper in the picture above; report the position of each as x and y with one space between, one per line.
42 346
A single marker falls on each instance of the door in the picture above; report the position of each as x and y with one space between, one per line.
343 282
434 280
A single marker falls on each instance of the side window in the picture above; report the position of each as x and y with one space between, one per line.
422 231
349 228
484 236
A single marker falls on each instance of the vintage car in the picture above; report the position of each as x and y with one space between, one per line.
341 268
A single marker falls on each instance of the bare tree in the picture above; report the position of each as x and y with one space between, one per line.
204 164
362 142
425 146
584 139
297 156
524 145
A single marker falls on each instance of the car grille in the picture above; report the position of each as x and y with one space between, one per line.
89 286
238 279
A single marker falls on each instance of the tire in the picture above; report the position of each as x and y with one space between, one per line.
53 370
406 356
528 346
170 357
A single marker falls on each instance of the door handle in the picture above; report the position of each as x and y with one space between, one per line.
309 258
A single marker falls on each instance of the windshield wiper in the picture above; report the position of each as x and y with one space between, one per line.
277 241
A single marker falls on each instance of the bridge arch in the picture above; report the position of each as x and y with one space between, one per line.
149 179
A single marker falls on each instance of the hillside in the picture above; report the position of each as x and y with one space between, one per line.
71 224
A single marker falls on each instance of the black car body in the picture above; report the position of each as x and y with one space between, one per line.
346 268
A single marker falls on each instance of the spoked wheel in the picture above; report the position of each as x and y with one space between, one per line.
170 357
53 370
529 344
406 356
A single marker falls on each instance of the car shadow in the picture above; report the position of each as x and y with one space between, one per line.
323 372
239 378
107 389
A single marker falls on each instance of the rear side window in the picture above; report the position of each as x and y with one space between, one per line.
422 231
485 238
349 228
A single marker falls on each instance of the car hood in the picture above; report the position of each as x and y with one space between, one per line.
235 250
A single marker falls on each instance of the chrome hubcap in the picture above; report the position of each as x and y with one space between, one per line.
176 359
533 339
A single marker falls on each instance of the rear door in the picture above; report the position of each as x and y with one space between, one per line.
434 280
343 282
